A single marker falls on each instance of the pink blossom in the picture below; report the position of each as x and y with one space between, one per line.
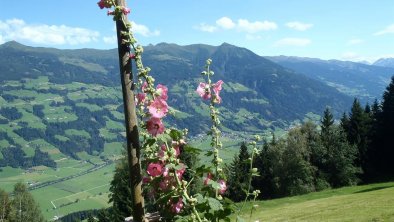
109 12
203 90
223 186
132 56
158 108
146 180
207 179
217 87
177 207
125 10
177 151
154 126
166 171
165 183
162 90
144 86
104 4
155 169
141 98
180 172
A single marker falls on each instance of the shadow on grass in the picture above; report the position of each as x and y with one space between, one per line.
374 188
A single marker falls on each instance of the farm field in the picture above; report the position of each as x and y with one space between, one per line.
374 202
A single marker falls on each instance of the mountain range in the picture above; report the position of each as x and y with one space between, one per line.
72 99
366 82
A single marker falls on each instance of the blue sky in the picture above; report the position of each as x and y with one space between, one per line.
353 30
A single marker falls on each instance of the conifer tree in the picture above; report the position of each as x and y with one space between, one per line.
239 175
120 196
383 144
327 121
24 207
5 206
358 133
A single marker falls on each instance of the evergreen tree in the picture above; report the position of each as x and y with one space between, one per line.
120 196
5 206
383 144
327 121
238 177
358 133
24 208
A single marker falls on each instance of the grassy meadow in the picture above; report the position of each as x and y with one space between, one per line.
374 203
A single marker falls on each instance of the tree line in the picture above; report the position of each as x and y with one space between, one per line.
356 149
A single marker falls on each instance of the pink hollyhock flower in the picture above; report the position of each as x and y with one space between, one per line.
162 152
217 87
104 4
177 151
179 173
177 207
154 126
109 12
158 108
146 180
165 183
155 169
162 90
125 10
207 179
141 98
166 171
143 87
223 186
203 90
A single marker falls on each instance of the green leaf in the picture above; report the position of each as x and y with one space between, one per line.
191 149
176 135
214 204
240 219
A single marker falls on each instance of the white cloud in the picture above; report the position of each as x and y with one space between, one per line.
356 57
143 30
206 28
1 40
293 42
242 25
355 41
225 23
253 27
110 39
299 26
252 37
387 30
19 30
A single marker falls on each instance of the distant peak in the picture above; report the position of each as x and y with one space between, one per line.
13 44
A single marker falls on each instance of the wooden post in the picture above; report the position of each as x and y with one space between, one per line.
133 144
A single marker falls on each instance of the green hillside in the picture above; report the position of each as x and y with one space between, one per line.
372 202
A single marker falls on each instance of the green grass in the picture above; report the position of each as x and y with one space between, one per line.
82 193
374 202
74 132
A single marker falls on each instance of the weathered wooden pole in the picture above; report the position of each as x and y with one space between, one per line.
133 144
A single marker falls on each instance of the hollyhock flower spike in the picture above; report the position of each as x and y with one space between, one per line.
155 126
154 169
203 90
158 108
